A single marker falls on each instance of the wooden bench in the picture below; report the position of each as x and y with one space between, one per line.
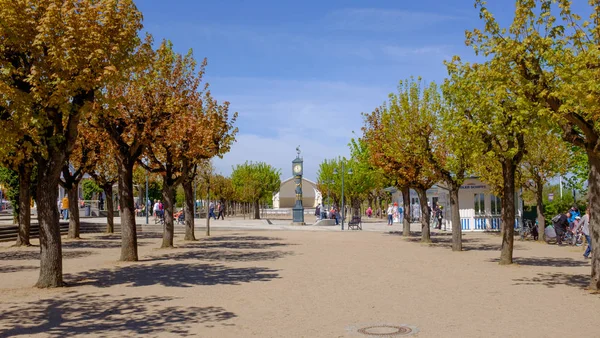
355 223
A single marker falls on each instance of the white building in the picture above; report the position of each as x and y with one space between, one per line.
479 207
286 197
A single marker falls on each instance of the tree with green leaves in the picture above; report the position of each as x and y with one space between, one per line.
328 183
369 180
547 156
500 120
254 182
550 56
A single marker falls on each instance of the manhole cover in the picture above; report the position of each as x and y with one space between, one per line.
383 330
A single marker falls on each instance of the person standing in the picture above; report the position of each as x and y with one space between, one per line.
437 211
400 214
334 215
65 207
211 210
369 212
560 226
318 212
390 214
585 229
220 209
161 209
155 209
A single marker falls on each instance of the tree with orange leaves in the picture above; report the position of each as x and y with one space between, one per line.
199 128
55 55
398 135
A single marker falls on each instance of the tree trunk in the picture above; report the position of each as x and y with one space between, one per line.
406 206
168 194
594 205
207 209
129 252
110 209
425 233
508 213
24 206
50 241
72 195
539 201
256 210
188 191
455 211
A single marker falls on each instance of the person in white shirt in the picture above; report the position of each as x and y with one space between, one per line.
390 214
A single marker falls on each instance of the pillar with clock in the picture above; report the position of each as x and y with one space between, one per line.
298 209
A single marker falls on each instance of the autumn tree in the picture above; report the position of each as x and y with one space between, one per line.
209 133
403 132
55 55
80 162
381 139
255 182
175 86
104 169
199 128
133 112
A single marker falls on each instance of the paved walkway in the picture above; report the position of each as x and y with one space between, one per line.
241 223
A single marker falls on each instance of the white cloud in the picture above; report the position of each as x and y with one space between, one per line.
275 116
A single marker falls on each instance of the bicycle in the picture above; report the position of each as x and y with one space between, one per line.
528 230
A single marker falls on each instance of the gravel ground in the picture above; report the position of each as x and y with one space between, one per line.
300 284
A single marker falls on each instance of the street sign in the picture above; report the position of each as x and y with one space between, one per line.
550 197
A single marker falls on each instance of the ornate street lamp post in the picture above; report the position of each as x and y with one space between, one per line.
298 209
147 201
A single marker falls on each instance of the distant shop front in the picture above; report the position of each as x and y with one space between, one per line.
479 208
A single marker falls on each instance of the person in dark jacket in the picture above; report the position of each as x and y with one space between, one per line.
561 226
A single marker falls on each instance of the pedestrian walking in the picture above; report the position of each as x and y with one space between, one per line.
220 209
585 229
155 209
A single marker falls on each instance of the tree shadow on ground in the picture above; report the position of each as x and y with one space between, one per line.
228 256
546 261
231 245
95 244
76 314
16 268
171 275
241 238
35 255
140 235
553 279
468 244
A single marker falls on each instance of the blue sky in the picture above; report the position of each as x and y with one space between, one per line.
302 72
